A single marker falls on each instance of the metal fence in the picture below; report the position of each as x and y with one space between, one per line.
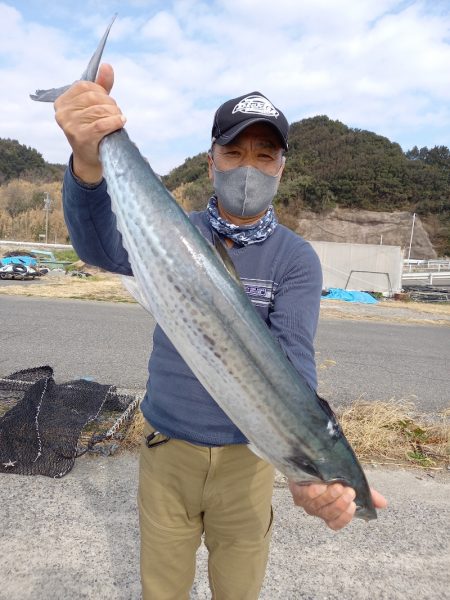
424 266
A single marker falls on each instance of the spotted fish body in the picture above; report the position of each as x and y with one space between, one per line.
207 316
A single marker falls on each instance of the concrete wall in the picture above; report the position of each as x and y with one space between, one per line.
338 260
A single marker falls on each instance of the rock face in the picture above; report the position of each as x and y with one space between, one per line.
367 227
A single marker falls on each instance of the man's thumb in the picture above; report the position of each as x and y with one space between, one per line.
105 77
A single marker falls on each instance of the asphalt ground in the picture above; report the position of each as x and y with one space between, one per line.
77 538
111 343
23 282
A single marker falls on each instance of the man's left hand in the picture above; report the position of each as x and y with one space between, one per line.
333 503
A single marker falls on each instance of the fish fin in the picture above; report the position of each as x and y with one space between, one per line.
132 287
258 452
89 74
333 426
49 95
222 252
366 513
91 70
302 462
254 449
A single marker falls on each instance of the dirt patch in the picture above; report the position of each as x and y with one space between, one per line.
102 286
388 311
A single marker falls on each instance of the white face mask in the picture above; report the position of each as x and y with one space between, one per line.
245 191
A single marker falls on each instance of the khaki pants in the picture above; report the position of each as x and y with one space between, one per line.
187 490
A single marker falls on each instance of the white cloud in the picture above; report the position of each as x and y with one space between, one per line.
163 26
379 65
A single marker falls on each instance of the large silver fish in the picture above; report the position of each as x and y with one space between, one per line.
206 314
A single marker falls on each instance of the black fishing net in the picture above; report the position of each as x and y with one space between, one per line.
45 426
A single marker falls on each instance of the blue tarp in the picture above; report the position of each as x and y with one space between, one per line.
349 296
19 260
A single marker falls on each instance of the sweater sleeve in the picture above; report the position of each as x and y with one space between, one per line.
295 315
92 225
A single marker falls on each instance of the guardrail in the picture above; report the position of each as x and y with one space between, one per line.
429 276
35 244
426 265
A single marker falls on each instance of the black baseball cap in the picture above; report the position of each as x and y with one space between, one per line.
235 115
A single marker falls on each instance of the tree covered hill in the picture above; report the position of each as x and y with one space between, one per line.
18 161
331 165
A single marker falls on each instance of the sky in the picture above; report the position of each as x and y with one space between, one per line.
377 65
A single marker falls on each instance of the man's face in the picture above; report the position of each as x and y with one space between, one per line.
257 146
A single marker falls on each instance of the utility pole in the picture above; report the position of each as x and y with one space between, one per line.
47 205
412 232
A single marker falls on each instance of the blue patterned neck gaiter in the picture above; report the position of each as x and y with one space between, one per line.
244 235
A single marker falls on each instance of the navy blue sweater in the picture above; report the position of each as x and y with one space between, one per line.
282 277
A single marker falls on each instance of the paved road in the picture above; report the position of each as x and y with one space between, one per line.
77 538
379 361
111 343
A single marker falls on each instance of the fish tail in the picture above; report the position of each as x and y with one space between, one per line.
89 74
367 513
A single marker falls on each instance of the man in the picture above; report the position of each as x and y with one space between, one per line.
196 473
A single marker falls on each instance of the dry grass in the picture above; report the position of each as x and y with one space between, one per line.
105 287
134 433
393 433
440 308
380 433
389 311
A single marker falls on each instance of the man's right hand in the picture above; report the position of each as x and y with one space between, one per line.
86 113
